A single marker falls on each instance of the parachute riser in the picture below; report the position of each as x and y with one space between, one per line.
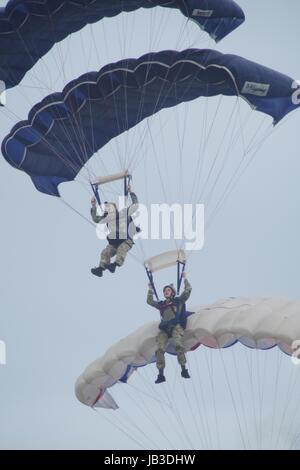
150 277
180 274
180 271
96 193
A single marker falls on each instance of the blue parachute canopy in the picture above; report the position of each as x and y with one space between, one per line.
30 28
65 129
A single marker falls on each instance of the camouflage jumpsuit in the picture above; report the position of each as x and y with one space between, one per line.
177 332
119 240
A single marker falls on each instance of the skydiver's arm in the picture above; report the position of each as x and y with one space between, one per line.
134 198
187 291
97 218
151 301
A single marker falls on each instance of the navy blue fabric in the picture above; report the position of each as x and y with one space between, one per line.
30 28
126 374
65 129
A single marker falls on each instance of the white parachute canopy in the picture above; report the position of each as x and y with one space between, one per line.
260 323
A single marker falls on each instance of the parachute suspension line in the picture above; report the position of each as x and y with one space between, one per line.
168 411
224 158
180 139
153 12
157 162
247 435
146 134
217 154
238 171
290 393
65 160
175 406
161 179
147 384
232 142
236 177
155 36
206 133
147 413
141 105
174 410
60 57
158 99
232 399
262 379
120 426
192 412
294 423
87 144
83 145
32 72
209 363
207 129
61 199
199 387
204 139
249 357
91 145
76 125
114 144
295 413
289 423
133 421
106 48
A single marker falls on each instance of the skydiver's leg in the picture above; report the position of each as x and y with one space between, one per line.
178 338
121 254
161 341
106 255
122 251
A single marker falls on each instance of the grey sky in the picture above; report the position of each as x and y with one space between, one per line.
56 318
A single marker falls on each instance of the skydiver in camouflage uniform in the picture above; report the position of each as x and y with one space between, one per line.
120 238
172 325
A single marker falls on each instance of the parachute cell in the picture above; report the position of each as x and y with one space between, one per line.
31 28
256 323
65 129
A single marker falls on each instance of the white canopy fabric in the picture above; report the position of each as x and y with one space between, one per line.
260 323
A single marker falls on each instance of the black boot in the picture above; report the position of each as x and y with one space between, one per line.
160 378
185 373
112 267
97 271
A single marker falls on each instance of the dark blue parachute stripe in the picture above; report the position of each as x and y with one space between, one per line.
65 129
30 28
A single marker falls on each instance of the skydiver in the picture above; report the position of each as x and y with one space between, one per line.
172 325
120 238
